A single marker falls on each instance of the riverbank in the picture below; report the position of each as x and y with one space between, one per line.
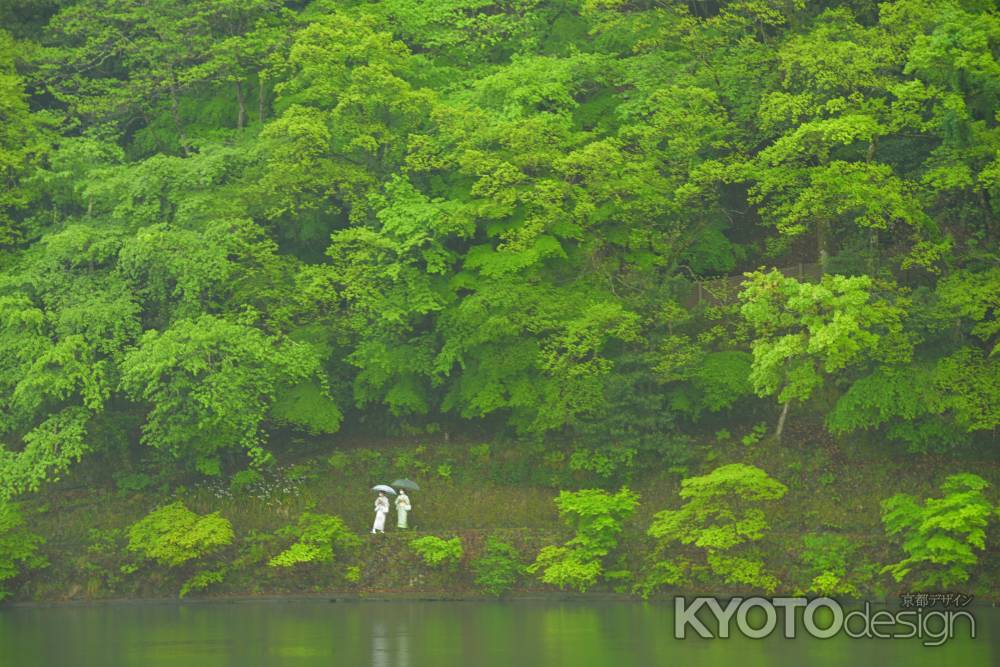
474 492
346 597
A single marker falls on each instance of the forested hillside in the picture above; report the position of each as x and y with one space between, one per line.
235 232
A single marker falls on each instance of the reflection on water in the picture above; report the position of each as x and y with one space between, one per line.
436 634
390 644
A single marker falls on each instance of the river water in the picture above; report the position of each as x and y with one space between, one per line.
433 634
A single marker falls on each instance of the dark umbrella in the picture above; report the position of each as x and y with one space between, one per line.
407 484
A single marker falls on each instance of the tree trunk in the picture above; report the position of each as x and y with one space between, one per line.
781 422
241 113
823 245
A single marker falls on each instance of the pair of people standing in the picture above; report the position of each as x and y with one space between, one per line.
382 508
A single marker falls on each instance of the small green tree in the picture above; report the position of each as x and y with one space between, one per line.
176 537
806 332
722 516
825 557
498 568
940 535
18 545
173 535
436 551
318 538
597 517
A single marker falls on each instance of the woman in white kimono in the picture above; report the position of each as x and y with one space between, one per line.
402 508
381 509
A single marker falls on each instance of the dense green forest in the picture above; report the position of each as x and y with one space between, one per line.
614 238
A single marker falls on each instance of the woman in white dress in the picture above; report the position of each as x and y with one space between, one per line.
402 508
381 509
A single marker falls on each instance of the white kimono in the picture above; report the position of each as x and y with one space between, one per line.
381 509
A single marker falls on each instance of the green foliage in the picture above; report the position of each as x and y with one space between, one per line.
721 379
885 399
226 227
940 536
438 552
566 568
755 435
132 482
18 545
412 462
244 480
48 451
173 535
722 516
203 579
597 518
607 463
826 557
209 382
23 142
319 538
338 461
809 331
498 568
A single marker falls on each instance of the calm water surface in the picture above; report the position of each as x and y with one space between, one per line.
431 634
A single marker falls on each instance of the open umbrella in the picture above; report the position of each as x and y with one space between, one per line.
383 487
407 484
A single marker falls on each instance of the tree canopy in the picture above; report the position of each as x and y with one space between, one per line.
222 222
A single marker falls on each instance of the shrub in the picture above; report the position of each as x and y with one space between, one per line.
244 480
174 535
498 568
18 545
103 554
826 557
407 463
203 579
566 568
438 552
597 517
940 535
132 482
722 516
755 435
302 472
606 462
721 379
338 461
318 538
480 453
372 462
